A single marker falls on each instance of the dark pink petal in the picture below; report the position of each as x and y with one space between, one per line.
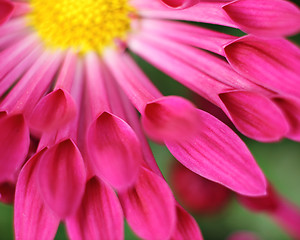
169 118
291 108
99 216
180 4
186 227
62 178
274 64
218 154
149 207
115 150
53 111
270 18
7 192
255 115
14 144
6 11
32 218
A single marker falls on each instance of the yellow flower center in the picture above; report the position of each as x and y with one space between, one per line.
84 25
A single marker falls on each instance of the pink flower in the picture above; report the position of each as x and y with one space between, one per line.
67 79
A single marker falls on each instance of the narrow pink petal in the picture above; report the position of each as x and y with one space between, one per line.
291 109
99 216
21 8
169 118
180 4
62 178
208 12
115 150
6 11
14 144
255 115
218 154
270 18
53 111
149 207
186 227
274 64
32 219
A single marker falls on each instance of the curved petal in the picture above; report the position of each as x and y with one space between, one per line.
169 118
62 178
270 18
53 111
99 216
32 219
186 227
218 154
6 11
274 64
149 207
180 4
115 150
14 144
255 115
7 192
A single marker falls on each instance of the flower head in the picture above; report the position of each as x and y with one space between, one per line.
68 80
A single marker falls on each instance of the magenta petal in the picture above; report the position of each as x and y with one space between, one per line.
6 11
271 18
218 154
255 115
180 4
32 219
53 111
186 227
274 64
99 216
169 118
149 207
115 150
291 108
14 144
62 178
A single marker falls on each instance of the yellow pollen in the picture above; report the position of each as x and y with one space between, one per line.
84 25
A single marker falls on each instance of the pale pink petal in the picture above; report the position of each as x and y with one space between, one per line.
6 11
32 218
169 118
99 216
149 207
270 18
180 4
274 64
62 178
255 115
14 144
218 154
53 111
186 227
291 109
114 150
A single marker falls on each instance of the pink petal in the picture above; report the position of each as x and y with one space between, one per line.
53 111
218 154
274 64
169 118
32 219
99 216
149 207
6 11
186 227
62 178
180 4
255 115
115 150
14 144
291 109
270 18
7 192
